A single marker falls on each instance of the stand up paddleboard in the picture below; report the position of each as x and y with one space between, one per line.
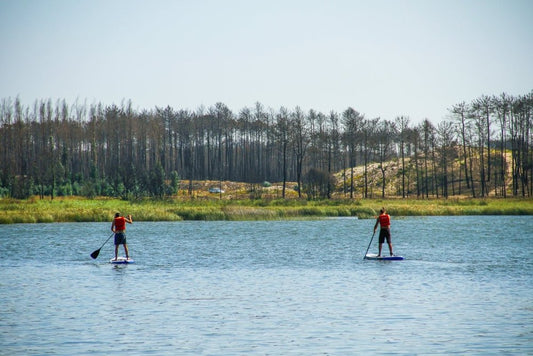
121 260
373 256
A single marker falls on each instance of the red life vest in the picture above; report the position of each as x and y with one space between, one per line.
384 220
120 223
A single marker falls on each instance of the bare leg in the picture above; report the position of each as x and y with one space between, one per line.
116 252
390 248
380 246
128 255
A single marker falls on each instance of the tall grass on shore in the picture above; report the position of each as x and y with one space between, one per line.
98 210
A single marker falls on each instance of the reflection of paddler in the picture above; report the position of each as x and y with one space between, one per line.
383 220
119 228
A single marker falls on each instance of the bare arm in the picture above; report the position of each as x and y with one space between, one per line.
128 219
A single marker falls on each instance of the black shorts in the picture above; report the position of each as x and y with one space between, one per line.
384 234
120 238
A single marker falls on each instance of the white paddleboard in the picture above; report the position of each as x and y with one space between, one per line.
121 260
373 256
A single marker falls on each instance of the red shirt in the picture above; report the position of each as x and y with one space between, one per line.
120 223
384 220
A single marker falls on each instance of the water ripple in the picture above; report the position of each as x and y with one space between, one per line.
287 287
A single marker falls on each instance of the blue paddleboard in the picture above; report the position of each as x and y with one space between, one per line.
373 256
121 260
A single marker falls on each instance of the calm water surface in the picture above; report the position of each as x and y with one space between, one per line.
269 288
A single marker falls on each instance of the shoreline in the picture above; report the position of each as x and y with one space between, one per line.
78 209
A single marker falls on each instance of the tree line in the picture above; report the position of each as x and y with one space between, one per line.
484 148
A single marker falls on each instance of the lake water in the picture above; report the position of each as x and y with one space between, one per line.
269 288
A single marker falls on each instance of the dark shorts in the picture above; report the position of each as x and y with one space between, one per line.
384 234
120 238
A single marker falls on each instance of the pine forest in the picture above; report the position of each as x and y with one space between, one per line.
53 148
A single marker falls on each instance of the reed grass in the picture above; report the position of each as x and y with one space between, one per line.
75 209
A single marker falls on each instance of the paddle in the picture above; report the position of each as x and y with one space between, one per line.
364 257
97 252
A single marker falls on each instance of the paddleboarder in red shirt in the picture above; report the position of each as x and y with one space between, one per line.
383 220
119 228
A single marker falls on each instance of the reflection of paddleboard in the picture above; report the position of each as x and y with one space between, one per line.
121 260
373 256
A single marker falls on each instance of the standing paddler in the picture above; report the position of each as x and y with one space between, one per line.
383 220
119 228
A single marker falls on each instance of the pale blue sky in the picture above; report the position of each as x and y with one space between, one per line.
384 58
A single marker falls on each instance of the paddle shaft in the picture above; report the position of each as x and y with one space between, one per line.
368 248
97 252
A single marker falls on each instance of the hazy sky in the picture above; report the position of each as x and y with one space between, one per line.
383 58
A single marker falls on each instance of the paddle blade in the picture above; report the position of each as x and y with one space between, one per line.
95 254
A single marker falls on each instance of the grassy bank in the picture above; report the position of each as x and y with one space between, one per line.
95 210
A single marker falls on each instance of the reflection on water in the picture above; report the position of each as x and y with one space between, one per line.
279 287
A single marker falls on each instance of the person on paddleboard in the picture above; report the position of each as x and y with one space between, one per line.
119 228
383 220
